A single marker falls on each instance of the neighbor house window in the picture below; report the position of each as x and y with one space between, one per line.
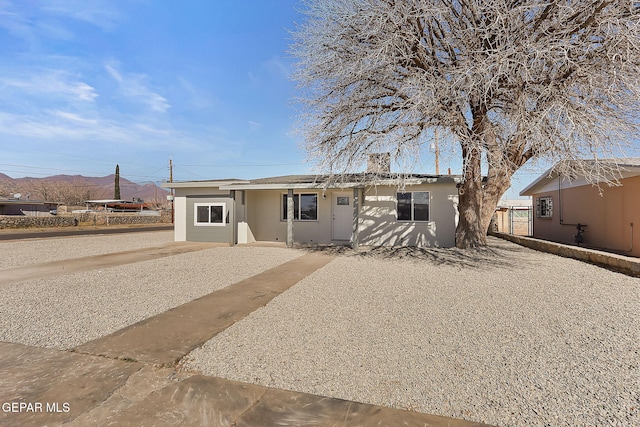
209 213
305 207
413 206
544 207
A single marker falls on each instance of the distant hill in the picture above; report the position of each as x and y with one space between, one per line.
76 188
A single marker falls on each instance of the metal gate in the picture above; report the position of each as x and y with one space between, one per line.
521 220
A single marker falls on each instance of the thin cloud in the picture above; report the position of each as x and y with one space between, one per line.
34 22
114 73
101 14
51 83
277 67
135 88
75 118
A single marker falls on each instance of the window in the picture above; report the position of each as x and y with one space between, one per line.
342 200
209 214
413 206
305 207
544 207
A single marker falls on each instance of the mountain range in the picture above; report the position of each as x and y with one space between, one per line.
58 187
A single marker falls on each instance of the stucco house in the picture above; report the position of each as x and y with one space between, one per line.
304 209
577 212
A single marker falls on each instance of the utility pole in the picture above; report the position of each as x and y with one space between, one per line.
171 180
437 155
436 149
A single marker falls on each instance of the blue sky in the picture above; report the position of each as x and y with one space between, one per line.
86 85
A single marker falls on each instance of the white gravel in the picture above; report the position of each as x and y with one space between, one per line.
65 311
509 336
506 336
31 251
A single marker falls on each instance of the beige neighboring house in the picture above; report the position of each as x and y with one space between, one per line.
576 212
353 211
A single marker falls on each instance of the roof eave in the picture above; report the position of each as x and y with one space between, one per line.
200 184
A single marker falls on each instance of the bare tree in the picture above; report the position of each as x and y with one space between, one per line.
510 80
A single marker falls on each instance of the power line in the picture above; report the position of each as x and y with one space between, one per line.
244 165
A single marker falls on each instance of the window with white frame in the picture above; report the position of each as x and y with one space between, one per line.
206 214
413 206
305 207
544 207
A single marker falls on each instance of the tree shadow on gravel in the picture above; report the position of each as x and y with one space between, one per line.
498 254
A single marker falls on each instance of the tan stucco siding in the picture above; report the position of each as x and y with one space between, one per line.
379 224
264 217
608 216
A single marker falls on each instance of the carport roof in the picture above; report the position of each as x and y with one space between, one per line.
27 202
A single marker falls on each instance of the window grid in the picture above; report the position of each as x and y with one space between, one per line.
413 206
544 207
305 207
209 214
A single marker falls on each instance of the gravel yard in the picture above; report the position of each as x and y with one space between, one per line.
509 336
504 335
65 311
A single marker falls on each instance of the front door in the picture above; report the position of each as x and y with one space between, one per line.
342 211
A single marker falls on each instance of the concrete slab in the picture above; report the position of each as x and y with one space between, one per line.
79 390
166 338
288 408
57 385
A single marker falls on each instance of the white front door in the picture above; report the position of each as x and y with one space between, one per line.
342 211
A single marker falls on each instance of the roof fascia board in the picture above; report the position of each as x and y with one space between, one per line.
198 184
529 189
627 171
320 185
282 186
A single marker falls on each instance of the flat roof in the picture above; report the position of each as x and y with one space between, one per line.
27 202
215 183
317 181
107 201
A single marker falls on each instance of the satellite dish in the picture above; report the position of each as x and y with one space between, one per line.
17 196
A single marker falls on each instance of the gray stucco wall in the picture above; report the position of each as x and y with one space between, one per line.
210 233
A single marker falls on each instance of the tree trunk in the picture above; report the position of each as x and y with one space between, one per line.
469 231
477 202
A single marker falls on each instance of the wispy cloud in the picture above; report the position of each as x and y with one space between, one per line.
15 22
276 66
36 22
72 128
57 83
75 118
135 87
100 13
